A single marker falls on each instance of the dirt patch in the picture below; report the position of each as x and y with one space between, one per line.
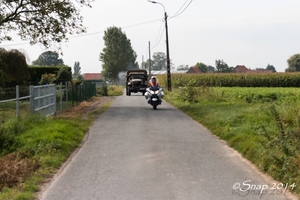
86 107
14 168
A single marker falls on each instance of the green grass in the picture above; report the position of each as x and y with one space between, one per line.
110 90
263 124
45 144
8 110
115 90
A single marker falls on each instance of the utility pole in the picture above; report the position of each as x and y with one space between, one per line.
168 54
167 44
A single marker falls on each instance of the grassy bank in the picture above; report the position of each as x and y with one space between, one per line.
33 147
261 123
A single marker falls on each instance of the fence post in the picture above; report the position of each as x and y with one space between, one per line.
17 102
67 99
31 94
61 93
55 104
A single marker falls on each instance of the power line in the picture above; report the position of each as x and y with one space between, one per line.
179 9
159 36
176 15
84 35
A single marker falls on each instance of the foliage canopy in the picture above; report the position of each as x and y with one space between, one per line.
13 66
44 21
202 67
64 75
294 63
159 61
222 66
117 55
48 58
271 67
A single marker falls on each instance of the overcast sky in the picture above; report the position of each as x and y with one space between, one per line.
253 33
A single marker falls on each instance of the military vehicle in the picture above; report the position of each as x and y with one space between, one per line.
136 81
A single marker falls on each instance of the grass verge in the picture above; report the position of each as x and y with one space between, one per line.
263 124
32 148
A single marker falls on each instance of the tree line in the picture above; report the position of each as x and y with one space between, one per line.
50 22
221 67
14 69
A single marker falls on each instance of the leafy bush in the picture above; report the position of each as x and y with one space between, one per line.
102 91
114 90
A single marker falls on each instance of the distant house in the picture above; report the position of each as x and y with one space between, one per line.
243 69
194 70
93 78
240 69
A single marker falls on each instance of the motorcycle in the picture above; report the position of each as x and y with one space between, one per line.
154 96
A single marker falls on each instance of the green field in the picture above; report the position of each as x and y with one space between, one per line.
263 124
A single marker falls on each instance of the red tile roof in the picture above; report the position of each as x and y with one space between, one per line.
240 68
92 76
194 70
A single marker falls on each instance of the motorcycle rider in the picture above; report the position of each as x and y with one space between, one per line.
153 82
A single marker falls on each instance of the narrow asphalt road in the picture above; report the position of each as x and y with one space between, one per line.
136 153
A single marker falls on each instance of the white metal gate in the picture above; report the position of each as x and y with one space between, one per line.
43 99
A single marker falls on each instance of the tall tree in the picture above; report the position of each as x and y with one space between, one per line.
202 67
210 69
183 67
77 69
271 67
159 61
13 66
44 21
293 63
144 65
117 55
48 58
222 66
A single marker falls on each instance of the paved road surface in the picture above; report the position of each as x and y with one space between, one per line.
136 153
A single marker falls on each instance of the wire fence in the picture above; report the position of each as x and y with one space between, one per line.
46 100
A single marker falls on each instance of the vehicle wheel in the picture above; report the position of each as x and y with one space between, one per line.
129 93
154 107
143 93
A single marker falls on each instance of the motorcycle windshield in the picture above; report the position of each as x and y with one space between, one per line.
154 88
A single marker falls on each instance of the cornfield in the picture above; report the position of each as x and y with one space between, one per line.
233 80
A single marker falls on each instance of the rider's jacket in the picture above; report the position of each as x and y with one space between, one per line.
153 84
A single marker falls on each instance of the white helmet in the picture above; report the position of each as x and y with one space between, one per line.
153 77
